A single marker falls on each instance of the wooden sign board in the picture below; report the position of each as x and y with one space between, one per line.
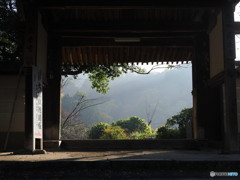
37 107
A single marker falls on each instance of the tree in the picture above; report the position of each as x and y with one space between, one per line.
176 126
71 111
100 75
97 130
181 120
11 32
133 124
165 133
150 113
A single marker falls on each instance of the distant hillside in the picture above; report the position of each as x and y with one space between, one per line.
132 93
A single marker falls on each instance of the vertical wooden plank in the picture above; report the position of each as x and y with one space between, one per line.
28 144
231 135
30 54
30 44
200 76
52 92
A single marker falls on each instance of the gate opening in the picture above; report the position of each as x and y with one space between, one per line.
137 106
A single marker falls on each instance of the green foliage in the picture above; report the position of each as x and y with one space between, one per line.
100 75
181 120
164 133
97 130
175 126
133 127
11 34
133 124
114 132
137 135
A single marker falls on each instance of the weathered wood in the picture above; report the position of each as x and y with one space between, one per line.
126 34
173 42
231 139
30 42
28 143
237 27
200 75
81 27
30 58
127 4
51 98
216 80
214 113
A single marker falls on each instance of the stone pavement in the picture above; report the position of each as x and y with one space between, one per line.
131 164
177 155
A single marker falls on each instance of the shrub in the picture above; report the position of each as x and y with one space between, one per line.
97 130
133 124
113 132
137 135
164 133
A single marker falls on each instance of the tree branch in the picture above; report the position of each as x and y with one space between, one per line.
79 106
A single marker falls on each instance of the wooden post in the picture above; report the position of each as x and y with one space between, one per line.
231 135
30 51
33 83
52 94
194 94
200 75
28 143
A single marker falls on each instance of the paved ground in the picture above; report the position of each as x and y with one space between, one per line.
120 155
134 164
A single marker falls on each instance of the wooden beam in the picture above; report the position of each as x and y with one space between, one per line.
217 80
128 27
126 34
127 4
237 27
182 42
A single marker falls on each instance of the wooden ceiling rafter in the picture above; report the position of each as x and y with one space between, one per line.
128 4
110 51
131 54
74 56
95 54
85 56
166 29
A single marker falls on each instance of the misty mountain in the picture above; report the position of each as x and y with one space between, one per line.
138 95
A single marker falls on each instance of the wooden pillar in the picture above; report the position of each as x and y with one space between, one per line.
28 143
194 94
52 93
214 113
30 51
231 134
200 76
